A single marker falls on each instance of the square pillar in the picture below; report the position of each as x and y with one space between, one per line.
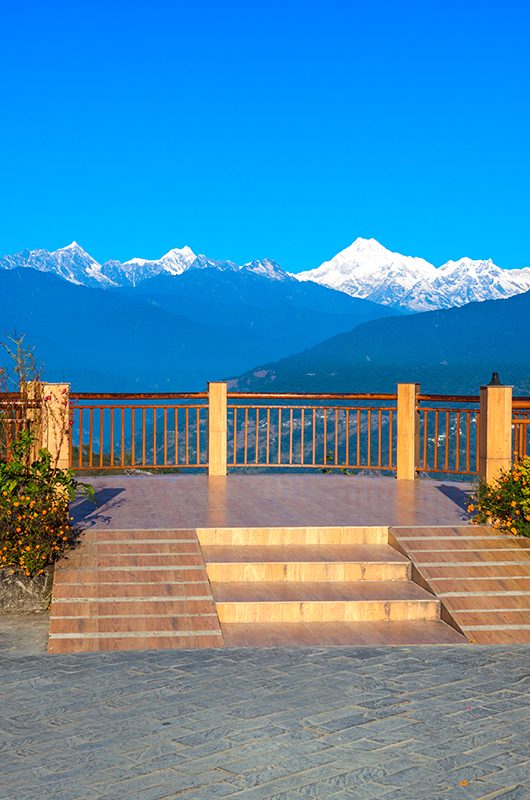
217 425
408 431
55 422
495 431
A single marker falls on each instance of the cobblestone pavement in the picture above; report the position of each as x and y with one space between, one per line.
360 723
23 634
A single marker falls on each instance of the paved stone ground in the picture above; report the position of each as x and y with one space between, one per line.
23 634
360 723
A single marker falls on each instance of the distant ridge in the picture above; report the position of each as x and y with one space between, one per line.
454 350
364 270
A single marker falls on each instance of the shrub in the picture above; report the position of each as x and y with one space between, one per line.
34 508
34 492
505 502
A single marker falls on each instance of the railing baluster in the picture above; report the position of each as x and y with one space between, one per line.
133 436
257 435
279 437
80 454
302 432
197 437
268 432
112 436
314 436
165 437
447 435
291 436
245 442
101 435
347 439
336 455
187 435
123 437
91 438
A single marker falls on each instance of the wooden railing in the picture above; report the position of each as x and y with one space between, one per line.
16 412
138 431
521 427
407 433
312 431
449 434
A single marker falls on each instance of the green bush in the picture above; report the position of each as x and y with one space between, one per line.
505 502
35 525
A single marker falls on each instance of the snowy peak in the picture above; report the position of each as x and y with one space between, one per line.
368 270
74 264
267 268
71 263
131 272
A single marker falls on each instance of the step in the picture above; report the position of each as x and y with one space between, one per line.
329 634
154 640
314 563
275 536
334 601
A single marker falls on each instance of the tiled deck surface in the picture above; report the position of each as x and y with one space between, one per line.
191 501
411 723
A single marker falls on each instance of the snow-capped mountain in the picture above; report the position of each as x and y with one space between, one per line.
368 270
365 270
131 272
71 263
75 265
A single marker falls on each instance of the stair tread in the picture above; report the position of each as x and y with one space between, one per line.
285 634
332 591
355 553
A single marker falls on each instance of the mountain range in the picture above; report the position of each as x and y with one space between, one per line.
176 322
170 332
365 270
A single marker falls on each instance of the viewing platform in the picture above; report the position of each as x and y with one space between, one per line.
285 560
226 519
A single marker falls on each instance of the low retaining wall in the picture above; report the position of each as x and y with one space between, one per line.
22 595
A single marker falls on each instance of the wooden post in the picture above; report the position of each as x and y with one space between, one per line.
217 423
56 422
408 431
495 430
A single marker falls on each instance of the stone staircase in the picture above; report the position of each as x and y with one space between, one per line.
322 585
133 590
239 587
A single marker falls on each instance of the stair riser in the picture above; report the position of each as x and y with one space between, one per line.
83 625
137 642
306 571
259 537
320 611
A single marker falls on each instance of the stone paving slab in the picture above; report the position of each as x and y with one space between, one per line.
366 722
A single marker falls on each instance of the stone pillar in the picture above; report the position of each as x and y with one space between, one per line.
217 424
55 422
408 431
495 430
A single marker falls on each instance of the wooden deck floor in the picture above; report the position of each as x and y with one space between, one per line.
194 501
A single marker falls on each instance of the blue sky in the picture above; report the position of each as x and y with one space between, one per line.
281 129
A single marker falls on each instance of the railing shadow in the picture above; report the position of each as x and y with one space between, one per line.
458 495
86 513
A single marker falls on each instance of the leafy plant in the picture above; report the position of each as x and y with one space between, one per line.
35 492
505 502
